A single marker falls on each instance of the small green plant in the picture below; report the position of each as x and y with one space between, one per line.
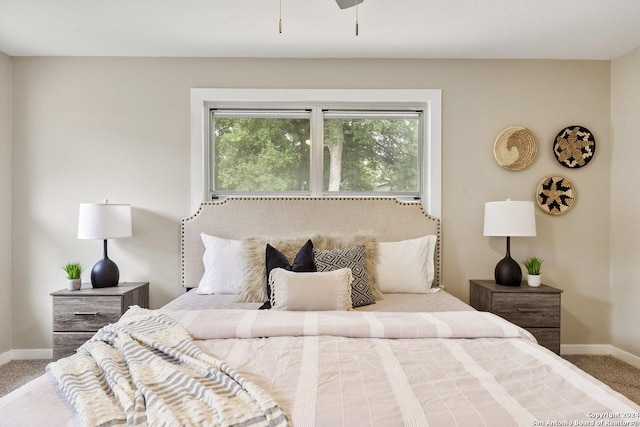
533 265
74 270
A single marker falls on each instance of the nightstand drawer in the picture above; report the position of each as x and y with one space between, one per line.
547 337
78 315
537 309
530 310
66 343
85 313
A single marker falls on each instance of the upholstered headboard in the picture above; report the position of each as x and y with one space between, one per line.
240 217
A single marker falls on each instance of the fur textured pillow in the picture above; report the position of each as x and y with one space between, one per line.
253 283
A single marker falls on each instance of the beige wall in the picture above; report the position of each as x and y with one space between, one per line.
90 128
5 203
625 202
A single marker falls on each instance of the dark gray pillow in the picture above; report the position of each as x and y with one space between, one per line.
353 258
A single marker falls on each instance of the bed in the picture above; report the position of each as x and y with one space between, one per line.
409 358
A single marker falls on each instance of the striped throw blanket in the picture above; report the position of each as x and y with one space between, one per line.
146 370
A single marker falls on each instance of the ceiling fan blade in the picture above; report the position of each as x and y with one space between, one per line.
348 3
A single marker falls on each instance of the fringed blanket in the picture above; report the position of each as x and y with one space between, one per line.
146 370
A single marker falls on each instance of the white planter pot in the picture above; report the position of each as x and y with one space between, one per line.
74 284
533 280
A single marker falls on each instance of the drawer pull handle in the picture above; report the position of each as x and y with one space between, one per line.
528 310
85 313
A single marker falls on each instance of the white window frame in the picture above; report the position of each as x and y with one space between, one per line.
429 100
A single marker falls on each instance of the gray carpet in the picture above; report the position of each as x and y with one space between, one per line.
19 372
618 375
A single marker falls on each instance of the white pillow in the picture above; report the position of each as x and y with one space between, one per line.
222 261
406 266
329 290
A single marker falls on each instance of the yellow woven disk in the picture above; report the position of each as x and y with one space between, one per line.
515 148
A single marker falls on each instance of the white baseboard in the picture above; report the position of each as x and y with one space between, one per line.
601 350
5 357
587 349
26 354
626 357
36 353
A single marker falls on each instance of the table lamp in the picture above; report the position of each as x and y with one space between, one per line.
510 219
104 221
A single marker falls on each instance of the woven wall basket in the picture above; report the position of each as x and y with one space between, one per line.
574 146
555 195
515 148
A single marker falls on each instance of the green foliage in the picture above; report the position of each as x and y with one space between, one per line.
74 270
533 265
262 154
377 154
258 154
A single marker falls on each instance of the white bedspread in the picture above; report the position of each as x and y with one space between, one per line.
387 369
437 369
428 302
212 324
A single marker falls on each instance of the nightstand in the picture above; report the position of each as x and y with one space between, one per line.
535 309
77 315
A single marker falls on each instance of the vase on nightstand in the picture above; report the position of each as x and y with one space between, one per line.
74 284
533 280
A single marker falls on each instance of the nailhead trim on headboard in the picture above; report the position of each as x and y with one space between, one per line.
315 199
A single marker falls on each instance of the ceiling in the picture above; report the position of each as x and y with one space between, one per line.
553 29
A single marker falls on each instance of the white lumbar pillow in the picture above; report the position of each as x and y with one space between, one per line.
323 291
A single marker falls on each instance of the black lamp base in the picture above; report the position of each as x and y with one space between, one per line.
105 274
508 272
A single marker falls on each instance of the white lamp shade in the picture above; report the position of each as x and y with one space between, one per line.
509 218
104 221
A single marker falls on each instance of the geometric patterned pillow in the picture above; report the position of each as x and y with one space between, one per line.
353 258
253 281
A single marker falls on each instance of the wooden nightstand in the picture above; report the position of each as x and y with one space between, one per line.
77 315
535 309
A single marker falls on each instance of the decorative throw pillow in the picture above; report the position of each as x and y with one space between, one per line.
302 263
364 238
320 291
222 265
253 283
353 258
406 266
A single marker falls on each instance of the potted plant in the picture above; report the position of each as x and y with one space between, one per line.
533 269
74 272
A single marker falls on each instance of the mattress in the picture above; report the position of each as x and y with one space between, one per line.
462 373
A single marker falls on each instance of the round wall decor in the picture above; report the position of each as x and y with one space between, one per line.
555 195
574 146
515 148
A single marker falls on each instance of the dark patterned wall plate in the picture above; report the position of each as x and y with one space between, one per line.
555 195
574 146
515 148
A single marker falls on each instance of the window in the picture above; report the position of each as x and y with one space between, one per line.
316 143
371 152
259 151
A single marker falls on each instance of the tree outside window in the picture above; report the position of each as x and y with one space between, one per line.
362 152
